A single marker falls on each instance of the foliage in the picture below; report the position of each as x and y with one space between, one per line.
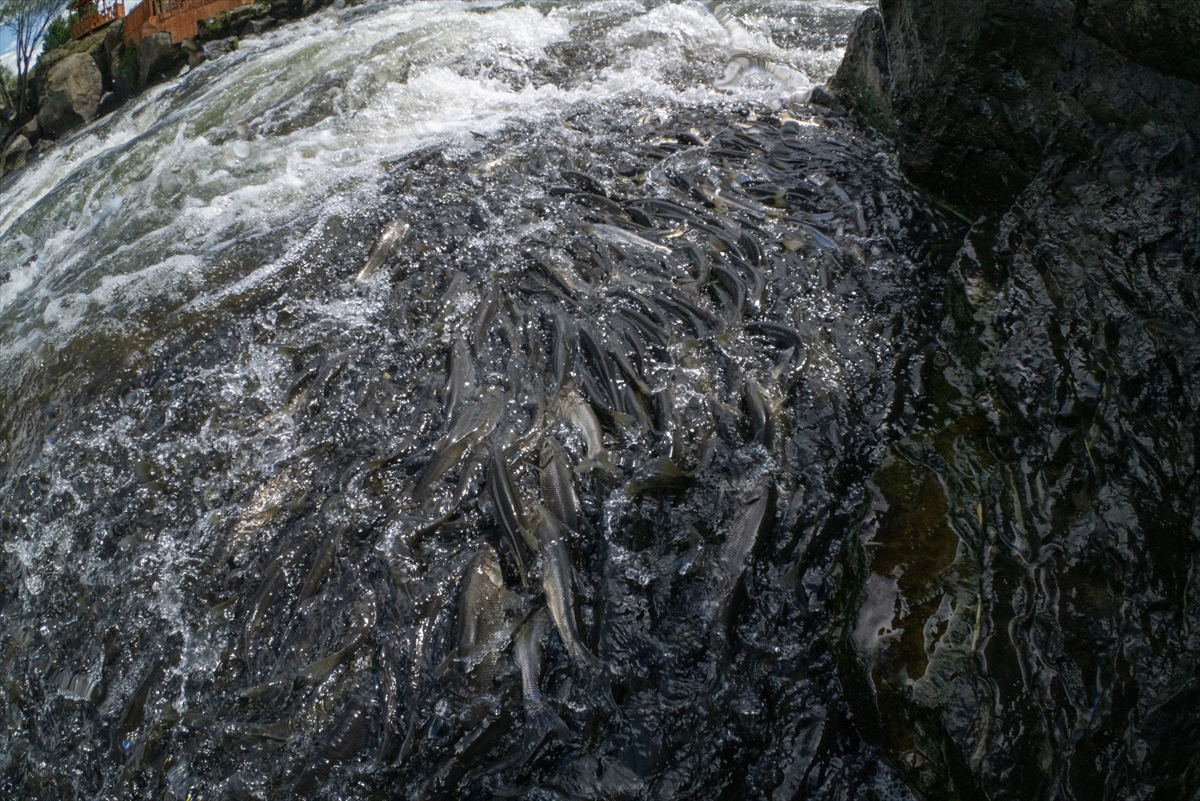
57 35
28 21
129 64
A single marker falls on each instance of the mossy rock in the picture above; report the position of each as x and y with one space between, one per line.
229 23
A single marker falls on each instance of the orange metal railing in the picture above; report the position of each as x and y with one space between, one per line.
97 17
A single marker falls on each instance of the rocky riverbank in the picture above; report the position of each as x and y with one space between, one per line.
1027 626
74 84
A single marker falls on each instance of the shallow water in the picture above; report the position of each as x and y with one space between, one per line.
251 443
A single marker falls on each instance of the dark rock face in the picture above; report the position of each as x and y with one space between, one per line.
158 56
70 95
1027 625
1161 34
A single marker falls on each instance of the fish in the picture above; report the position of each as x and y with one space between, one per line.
320 568
527 652
733 285
622 238
558 493
481 627
753 517
596 360
393 235
561 351
583 417
557 583
783 335
758 414
338 744
469 431
461 380
484 315
510 515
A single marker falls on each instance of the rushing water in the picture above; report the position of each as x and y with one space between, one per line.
299 348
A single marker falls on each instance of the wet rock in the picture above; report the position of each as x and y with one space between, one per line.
230 23
70 95
31 131
13 157
219 47
157 56
1158 33
863 77
114 40
975 93
1024 581
195 54
255 27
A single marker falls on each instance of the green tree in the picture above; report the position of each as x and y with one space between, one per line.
8 83
57 35
27 21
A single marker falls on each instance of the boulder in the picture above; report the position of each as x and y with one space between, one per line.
70 95
114 40
158 57
31 131
256 27
1161 34
1023 626
230 23
14 154
219 47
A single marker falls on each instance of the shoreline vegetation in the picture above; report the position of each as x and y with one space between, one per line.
75 82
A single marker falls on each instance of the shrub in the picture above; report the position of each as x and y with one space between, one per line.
57 35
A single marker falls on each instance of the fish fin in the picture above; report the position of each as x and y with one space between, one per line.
444 666
547 721
601 461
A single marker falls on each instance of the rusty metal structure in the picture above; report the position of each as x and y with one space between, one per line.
180 18
88 15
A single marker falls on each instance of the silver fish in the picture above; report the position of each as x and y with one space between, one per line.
392 236
558 493
744 533
556 581
620 237
507 504
583 417
527 651
481 617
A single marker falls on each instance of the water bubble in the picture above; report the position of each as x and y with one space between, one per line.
241 150
170 183
941 359
131 398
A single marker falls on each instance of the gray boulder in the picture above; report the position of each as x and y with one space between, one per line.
14 155
70 95
219 47
257 26
158 57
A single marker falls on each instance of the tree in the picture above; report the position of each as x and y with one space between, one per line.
57 35
28 21
7 82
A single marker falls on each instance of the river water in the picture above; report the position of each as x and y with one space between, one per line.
286 341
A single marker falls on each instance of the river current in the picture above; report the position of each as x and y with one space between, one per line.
455 400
